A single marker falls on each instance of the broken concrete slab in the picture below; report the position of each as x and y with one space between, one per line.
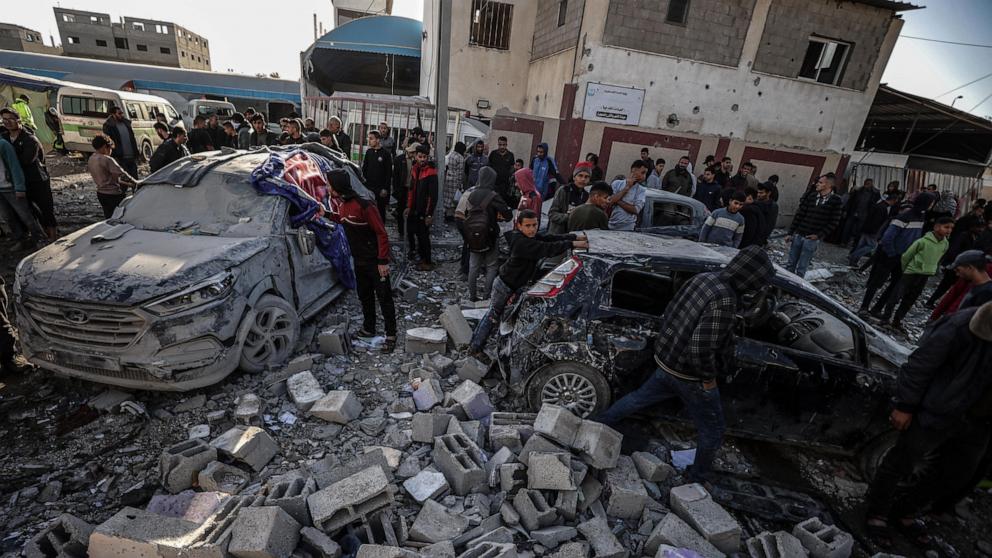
498 535
67 536
651 467
188 505
591 490
317 544
534 510
424 340
428 394
694 505
264 532
550 471
435 523
557 423
348 499
567 503
822 540
408 290
626 496
538 443
457 326
426 485
248 444
134 532
301 363
190 404
775 545
473 399
339 407
571 550
220 477
304 390
329 471
490 550
512 476
604 542
383 551
443 549
673 531
462 463
502 436
500 458
599 444
551 537
180 464
108 400
291 496
470 368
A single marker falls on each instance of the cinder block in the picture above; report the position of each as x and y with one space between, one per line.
473 399
673 531
534 510
823 541
626 496
350 498
604 543
264 532
775 545
501 436
444 366
512 476
428 394
291 496
180 464
695 506
340 407
470 368
538 443
462 463
304 390
426 485
68 536
435 523
134 532
550 471
382 551
334 341
427 426
591 490
599 444
567 503
219 477
188 505
248 444
248 409
330 470
651 467
557 423
457 326
500 458
490 550
408 290
424 340
317 544
523 422
473 429
571 550
551 537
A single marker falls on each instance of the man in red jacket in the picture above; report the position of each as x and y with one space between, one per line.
420 202
370 251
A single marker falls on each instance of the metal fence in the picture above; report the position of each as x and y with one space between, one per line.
965 188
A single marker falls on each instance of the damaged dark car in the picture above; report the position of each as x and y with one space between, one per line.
807 371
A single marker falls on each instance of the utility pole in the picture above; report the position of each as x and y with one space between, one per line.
441 107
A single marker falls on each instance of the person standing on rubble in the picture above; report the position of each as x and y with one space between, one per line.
31 156
111 180
370 251
377 166
695 345
482 212
420 203
817 216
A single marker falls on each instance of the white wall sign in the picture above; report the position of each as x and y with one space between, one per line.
613 103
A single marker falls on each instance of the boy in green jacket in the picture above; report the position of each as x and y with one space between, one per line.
919 263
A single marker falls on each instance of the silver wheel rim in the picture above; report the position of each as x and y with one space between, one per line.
146 151
270 337
572 391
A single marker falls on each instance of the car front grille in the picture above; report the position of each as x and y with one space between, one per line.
125 374
84 325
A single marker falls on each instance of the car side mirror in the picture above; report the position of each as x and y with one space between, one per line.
306 240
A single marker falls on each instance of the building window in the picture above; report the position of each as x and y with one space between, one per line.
101 43
138 26
73 40
69 18
29 38
204 43
142 48
96 19
562 9
120 43
162 29
678 12
490 24
206 60
165 50
182 53
824 61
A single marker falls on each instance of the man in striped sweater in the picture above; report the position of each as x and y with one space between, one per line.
817 216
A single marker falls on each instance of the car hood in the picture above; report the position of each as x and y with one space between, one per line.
121 265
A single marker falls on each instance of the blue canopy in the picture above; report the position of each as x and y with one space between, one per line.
397 36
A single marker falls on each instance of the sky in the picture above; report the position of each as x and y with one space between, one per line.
252 36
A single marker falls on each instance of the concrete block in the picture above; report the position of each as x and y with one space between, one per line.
426 485
534 510
557 423
330 470
427 426
501 436
317 544
456 325
470 368
673 531
473 399
651 467
500 458
350 498
443 549
599 444
134 532
498 535
340 407
625 494
291 496
823 541
188 505
248 409
424 340
490 550
435 523
694 505
301 363
604 543
248 444
462 463
334 340
551 537
408 290
304 390
571 550
264 532
473 429
550 471
219 477
382 551
538 443
179 464
567 503
775 545
591 490
68 536
442 365
428 394
512 476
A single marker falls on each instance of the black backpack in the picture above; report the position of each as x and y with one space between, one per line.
477 228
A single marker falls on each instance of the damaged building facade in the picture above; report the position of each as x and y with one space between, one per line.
782 83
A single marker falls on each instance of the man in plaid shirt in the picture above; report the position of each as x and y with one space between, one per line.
695 344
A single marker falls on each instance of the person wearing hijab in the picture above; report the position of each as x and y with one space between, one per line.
530 197
545 171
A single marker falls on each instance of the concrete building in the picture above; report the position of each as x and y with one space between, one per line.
349 10
785 84
15 37
143 41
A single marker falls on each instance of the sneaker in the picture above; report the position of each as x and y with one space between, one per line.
362 334
390 344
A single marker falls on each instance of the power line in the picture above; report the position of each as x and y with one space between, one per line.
945 42
980 103
963 86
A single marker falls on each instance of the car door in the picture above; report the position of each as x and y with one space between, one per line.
313 277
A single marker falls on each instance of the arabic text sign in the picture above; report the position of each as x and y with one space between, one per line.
612 103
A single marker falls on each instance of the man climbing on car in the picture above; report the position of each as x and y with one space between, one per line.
694 345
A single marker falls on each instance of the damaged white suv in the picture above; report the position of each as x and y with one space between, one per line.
194 276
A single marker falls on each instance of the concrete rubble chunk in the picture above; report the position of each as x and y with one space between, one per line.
424 340
334 340
626 496
551 537
107 400
248 444
291 496
462 463
651 467
523 422
602 539
264 532
188 505
571 550
498 535
502 436
538 443
339 407
490 550
457 326
534 510
775 545
248 409
473 429
428 394
550 471
427 426
599 444
304 390
350 498
822 540
383 551
500 458
180 464
408 290
219 477
512 476
557 423
673 531
301 363
470 368
134 532
190 404
508 514
443 549
473 399
693 504
329 471
567 503
426 485
591 490
435 523
317 544
68 536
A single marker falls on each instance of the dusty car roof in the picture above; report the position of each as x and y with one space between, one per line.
623 243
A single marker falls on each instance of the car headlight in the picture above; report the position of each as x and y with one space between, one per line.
214 288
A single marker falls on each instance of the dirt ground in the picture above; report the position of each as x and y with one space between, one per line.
61 454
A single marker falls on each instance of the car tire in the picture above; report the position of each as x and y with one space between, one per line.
271 334
874 452
146 150
576 386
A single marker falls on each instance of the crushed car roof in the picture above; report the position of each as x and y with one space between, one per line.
623 243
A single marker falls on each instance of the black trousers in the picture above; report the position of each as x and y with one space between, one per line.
884 268
130 165
40 196
372 286
418 235
906 293
109 203
962 463
400 208
381 202
6 329
946 282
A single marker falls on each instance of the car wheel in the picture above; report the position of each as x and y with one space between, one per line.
272 334
580 388
146 150
874 452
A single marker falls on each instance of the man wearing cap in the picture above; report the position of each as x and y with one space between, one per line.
31 156
973 287
119 129
568 198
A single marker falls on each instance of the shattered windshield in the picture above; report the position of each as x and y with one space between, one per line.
220 205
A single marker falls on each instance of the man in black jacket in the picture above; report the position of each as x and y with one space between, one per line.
377 166
339 139
875 220
817 217
754 220
694 345
420 202
942 394
200 139
501 160
170 151
31 156
125 152
260 134
859 203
